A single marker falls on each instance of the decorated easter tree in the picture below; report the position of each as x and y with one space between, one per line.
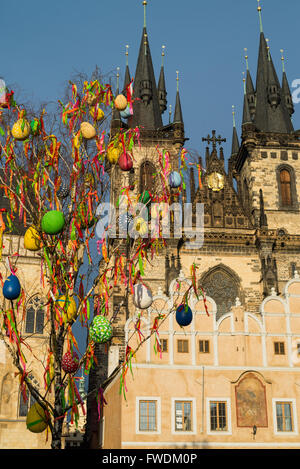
55 183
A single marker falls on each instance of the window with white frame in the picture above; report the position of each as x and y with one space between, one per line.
218 415
147 415
183 415
285 416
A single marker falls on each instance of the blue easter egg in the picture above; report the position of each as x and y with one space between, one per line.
126 113
11 288
174 179
184 317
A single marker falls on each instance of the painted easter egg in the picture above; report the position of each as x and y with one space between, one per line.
140 226
142 296
184 316
70 362
96 113
21 129
11 288
125 162
101 329
87 130
113 154
174 179
120 102
126 113
53 222
63 190
32 239
69 306
36 420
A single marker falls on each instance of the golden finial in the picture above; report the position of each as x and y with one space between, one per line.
145 43
282 60
233 116
118 76
145 4
259 13
126 53
162 54
268 48
177 79
246 57
244 81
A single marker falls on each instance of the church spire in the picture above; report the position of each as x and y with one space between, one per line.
250 91
235 140
161 87
286 92
127 78
271 113
146 109
178 112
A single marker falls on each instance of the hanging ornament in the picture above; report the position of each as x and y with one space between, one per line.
140 226
70 362
69 306
142 296
53 222
120 102
21 129
174 179
184 315
125 162
36 420
101 329
113 153
32 239
11 288
63 190
126 113
87 130
96 113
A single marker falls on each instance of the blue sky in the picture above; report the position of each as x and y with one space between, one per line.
44 43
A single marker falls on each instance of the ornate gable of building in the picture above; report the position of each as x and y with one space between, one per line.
222 206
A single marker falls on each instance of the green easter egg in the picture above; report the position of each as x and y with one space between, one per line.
53 222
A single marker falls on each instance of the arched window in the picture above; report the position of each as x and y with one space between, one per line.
223 287
147 177
34 316
285 187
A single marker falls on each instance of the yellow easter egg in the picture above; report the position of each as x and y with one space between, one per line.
36 420
113 154
141 226
32 239
21 129
70 311
96 113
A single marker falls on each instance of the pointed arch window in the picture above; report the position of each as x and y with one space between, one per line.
34 316
285 187
147 177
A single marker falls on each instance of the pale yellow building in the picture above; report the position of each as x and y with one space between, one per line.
227 383
230 379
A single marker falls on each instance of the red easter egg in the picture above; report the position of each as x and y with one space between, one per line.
125 162
70 362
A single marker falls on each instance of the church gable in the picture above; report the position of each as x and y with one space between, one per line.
222 206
